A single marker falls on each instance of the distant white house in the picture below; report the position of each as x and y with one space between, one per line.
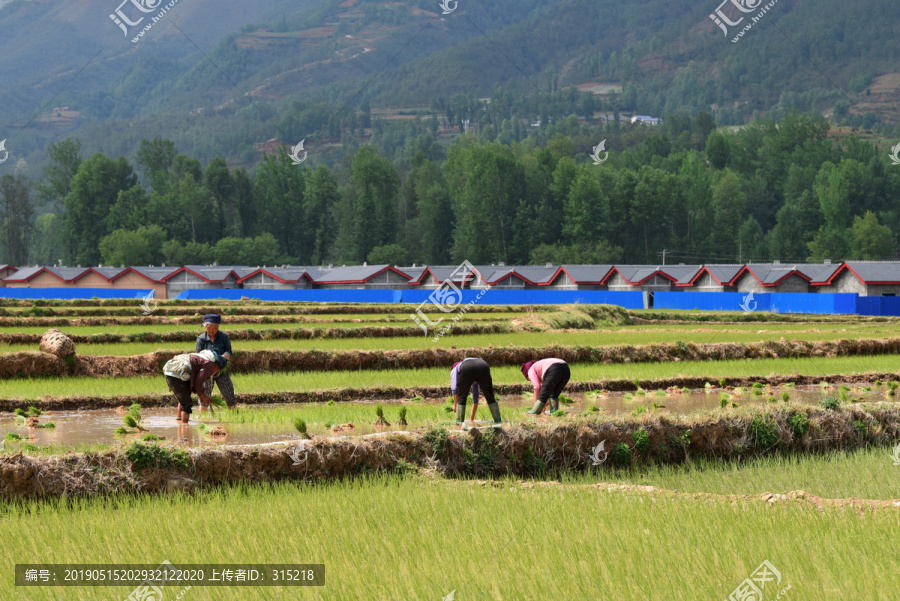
646 120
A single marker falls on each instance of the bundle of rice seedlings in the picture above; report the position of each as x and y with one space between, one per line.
379 411
565 399
402 420
300 425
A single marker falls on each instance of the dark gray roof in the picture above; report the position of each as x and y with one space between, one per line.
23 274
67 273
638 273
213 273
587 274
287 274
769 273
724 272
350 273
443 273
109 272
414 273
536 274
819 272
681 273
157 274
876 271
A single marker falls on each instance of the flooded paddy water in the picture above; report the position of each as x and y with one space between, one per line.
95 427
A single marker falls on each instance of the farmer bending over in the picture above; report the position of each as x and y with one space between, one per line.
466 374
188 373
549 377
214 340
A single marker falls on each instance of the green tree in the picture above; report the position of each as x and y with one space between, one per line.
16 210
388 254
65 159
142 246
95 189
870 241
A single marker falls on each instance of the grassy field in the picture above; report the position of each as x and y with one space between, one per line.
518 542
634 336
297 381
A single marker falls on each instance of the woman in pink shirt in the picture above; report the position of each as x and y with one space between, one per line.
549 377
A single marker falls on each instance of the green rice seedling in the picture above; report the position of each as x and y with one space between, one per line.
448 408
757 385
402 420
790 385
831 403
218 402
379 411
300 426
417 399
734 405
592 409
131 422
892 388
566 399
707 388
20 412
628 396
757 391
641 392
685 390
13 436
637 383
331 403
33 412
724 399
658 406
639 410
148 437
47 425
722 382
660 393
121 430
877 382
785 396
867 389
844 388
558 413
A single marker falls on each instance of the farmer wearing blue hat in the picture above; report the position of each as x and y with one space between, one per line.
218 342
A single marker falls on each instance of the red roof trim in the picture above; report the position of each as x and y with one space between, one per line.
362 281
37 273
132 270
89 269
272 275
630 283
700 273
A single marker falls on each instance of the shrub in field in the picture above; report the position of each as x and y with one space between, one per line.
860 427
533 464
621 454
151 456
641 440
763 433
831 403
437 438
799 424
785 396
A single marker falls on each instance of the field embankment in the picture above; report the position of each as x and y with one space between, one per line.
525 450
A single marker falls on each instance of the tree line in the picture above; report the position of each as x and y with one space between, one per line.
782 190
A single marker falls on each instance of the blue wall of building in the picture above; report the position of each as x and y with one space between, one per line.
776 302
312 296
71 293
629 300
879 305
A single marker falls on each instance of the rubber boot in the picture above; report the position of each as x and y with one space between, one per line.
460 412
538 408
554 404
495 412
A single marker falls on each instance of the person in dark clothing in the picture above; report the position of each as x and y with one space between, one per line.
472 374
549 377
188 373
214 340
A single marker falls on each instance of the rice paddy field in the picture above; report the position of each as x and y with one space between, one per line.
773 476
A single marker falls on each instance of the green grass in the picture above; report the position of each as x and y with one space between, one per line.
867 474
283 381
375 547
642 335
